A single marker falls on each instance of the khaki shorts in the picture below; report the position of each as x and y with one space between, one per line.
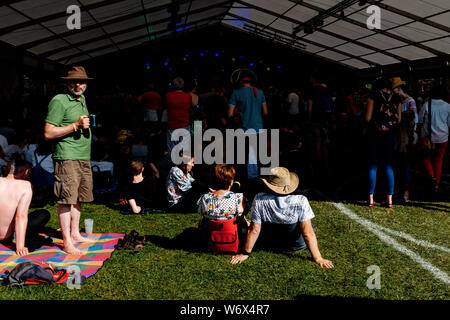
73 181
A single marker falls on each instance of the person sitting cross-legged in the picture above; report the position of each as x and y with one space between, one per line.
281 220
141 190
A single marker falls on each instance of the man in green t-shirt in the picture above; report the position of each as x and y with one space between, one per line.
67 124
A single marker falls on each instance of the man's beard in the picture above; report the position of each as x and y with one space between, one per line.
72 90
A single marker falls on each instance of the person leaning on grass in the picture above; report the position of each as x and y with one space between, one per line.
280 220
15 222
182 189
141 190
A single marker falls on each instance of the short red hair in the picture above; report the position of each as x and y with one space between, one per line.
224 176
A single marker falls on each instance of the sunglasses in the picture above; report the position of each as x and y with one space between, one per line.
75 81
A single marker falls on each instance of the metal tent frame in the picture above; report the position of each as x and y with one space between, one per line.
334 30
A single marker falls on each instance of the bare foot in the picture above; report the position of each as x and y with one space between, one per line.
72 250
79 238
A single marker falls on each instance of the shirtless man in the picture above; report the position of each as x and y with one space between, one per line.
15 198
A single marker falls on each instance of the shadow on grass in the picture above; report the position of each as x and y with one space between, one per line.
413 204
191 240
354 190
125 209
430 206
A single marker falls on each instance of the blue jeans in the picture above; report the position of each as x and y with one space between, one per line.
381 153
281 237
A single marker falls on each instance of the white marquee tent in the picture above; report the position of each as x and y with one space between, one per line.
335 30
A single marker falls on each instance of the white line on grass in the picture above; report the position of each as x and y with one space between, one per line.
376 229
437 273
401 234
416 241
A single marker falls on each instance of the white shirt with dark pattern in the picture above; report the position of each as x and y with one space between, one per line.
220 207
282 209
177 184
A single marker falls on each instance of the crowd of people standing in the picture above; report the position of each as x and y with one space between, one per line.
326 134
320 128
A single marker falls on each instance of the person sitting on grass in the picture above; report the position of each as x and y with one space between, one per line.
141 190
281 220
221 203
182 189
15 198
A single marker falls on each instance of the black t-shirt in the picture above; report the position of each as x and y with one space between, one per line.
141 192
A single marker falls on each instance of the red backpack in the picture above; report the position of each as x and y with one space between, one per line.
224 236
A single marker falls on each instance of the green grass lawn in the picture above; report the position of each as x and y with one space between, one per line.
159 273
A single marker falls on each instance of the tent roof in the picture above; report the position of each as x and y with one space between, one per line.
410 30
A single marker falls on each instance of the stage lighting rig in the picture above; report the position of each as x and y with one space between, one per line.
318 21
274 36
173 9
308 28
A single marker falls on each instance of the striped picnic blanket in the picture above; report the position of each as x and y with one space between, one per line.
94 254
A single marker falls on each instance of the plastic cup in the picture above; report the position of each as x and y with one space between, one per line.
88 225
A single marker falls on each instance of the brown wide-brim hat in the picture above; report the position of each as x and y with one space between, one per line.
281 181
76 73
396 82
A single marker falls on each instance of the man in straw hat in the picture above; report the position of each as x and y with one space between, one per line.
67 124
281 220
409 108
407 137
